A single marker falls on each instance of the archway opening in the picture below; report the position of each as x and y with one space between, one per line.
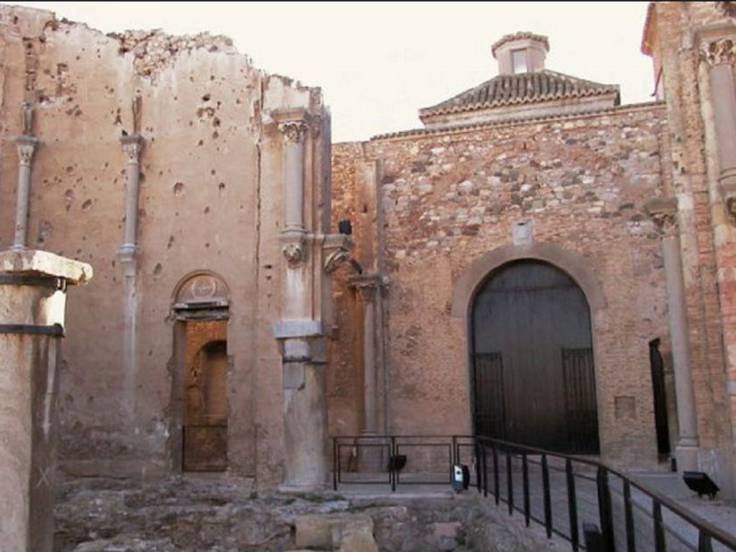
532 359
200 389
205 404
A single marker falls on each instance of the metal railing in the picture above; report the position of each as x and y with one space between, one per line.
579 499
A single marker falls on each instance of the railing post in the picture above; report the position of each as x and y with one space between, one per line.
660 544
478 480
495 474
604 509
547 498
393 476
629 516
572 505
509 483
485 470
704 542
335 463
525 477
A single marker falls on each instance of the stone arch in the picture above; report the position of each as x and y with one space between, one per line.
576 266
201 289
567 261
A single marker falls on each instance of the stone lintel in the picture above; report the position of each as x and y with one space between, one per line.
44 263
293 329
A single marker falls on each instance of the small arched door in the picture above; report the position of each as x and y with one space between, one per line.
533 373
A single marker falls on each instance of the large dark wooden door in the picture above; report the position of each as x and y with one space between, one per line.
533 373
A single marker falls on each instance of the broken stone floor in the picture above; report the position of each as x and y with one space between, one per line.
216 514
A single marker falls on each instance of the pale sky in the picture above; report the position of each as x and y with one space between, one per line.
378 63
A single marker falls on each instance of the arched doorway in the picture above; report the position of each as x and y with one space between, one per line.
199 386
533 373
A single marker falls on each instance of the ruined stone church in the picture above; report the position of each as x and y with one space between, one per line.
537 263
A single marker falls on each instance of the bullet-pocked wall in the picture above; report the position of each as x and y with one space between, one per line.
211 198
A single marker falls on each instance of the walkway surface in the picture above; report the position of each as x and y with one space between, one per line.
679 534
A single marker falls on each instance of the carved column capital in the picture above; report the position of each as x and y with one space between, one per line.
718 51
663 212
132 147
367 285
293 131
293 123
26 147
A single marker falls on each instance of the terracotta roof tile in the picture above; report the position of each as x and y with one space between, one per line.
522 88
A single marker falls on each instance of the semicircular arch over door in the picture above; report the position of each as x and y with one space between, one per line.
532 359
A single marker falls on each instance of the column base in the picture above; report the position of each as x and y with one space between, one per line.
687 457
306 488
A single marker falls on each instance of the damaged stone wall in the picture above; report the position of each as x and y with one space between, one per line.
450 197
211 198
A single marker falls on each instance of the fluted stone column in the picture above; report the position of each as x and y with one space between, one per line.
301 337
128 256
664 214
26 147
32 303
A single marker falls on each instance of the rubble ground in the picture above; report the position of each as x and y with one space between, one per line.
221 514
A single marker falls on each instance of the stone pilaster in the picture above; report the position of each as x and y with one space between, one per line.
299 332
128 256
664 214
719 55
26 145
294 125
369 289
32 303
132 147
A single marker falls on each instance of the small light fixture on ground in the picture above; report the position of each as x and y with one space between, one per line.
700 483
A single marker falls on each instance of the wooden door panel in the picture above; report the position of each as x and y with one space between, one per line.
523 316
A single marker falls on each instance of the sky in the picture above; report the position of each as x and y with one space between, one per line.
379 62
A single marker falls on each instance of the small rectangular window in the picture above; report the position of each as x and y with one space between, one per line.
518 61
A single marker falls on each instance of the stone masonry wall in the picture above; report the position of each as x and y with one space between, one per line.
450 197
204 204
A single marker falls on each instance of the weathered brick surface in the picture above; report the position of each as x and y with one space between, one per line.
708 236
450 197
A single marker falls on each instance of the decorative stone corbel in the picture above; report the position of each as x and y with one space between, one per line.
294 252
337 250
663 212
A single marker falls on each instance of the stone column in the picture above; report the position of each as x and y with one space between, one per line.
720 56
32 302
664 214
26 147
300 336
128 257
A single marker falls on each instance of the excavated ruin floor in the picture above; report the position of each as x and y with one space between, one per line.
206 514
